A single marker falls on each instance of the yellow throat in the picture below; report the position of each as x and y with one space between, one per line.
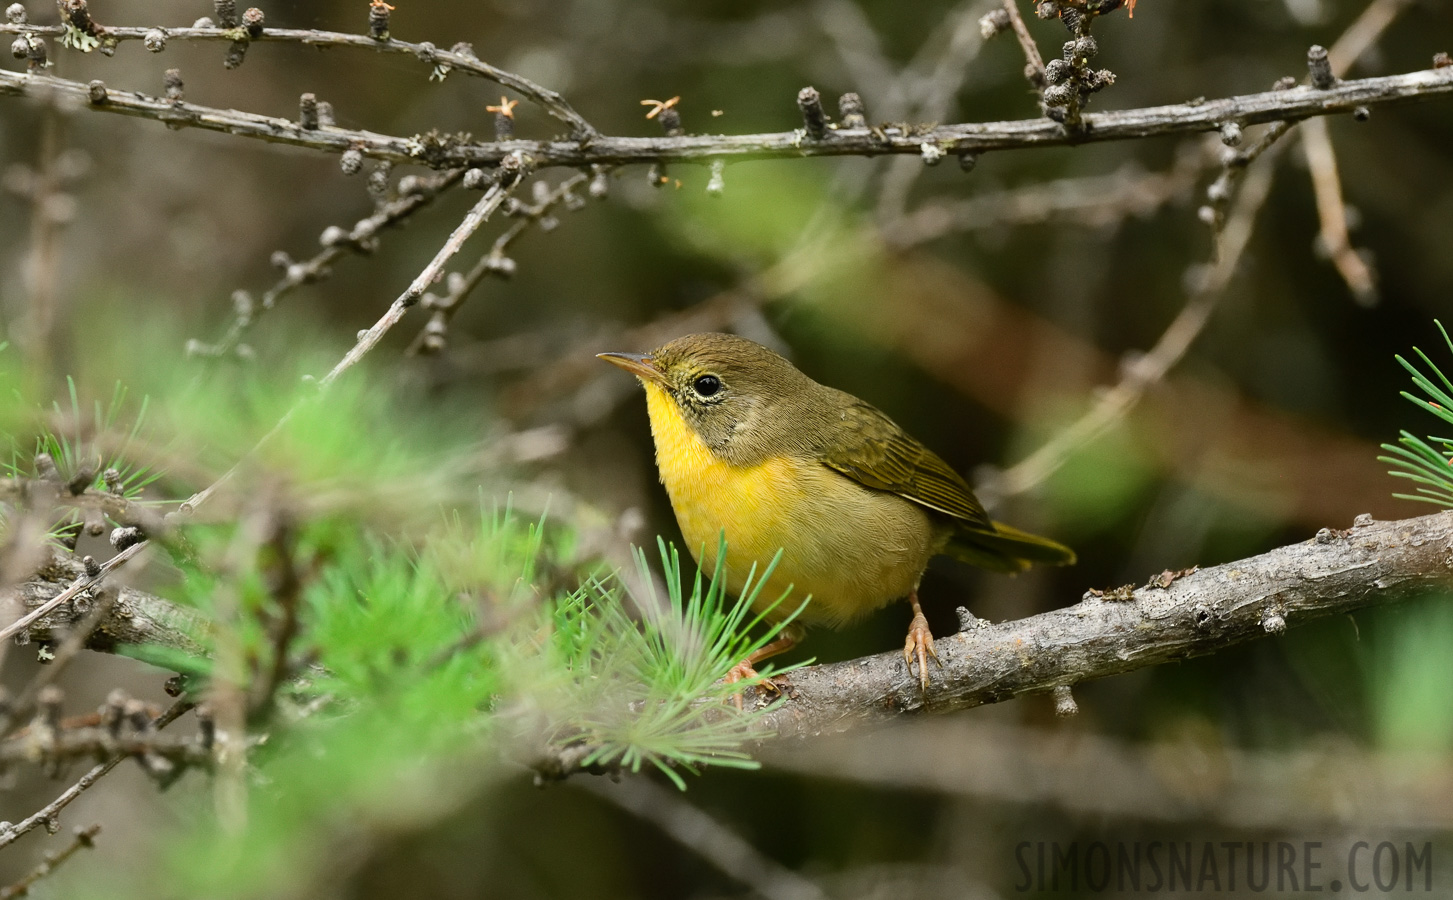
818 516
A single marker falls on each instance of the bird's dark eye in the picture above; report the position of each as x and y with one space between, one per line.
707 385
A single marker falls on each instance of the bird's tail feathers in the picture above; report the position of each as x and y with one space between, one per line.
1007 549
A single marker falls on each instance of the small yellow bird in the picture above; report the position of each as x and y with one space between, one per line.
749 446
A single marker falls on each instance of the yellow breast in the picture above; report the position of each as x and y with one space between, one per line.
851 548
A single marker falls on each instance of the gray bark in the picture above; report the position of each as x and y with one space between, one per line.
1336 572
1196 116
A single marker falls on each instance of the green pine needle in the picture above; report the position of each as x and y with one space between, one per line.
1414 458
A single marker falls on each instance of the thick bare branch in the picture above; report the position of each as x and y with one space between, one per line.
1337 572
135 617
1107 633
84 581
1293 104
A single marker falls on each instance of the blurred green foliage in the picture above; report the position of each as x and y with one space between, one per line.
440 641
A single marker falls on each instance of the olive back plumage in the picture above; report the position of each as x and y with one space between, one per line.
845 434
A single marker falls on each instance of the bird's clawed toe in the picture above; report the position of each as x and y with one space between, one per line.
743 671
919 647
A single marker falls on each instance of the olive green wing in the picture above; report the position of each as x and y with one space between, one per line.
872 450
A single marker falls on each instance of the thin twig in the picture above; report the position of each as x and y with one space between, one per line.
1365 31
1291 105
705 836
360 239
1231 241
445 308
85 838
1149 369
932 99
116 507
1093 776
512 171
1093 200
50 813
1332 212
861 51
442 60
75 641
1033 62
491 201
93 742
367 340
38 324
83 583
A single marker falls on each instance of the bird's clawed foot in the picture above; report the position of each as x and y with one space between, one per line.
789 638
919 644
743 671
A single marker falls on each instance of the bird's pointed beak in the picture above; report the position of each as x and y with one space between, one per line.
638 364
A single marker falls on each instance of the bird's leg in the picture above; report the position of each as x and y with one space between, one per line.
919 643
791 636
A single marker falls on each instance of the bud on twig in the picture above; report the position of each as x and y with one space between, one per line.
478 179
172 81
226 11
351 162
599 184
378 181
851 112
308 112
504 118
378 16
1320 68
994 22
1064 702
666 111
121 538
77 15
35 55
809 101
671 122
